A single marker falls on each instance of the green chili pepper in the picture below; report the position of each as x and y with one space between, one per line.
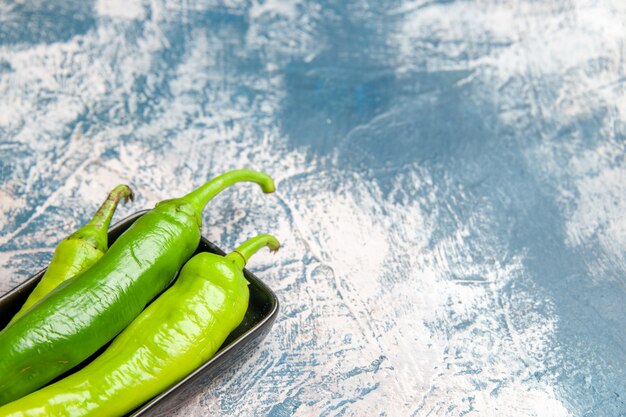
87 311
80 250
179 331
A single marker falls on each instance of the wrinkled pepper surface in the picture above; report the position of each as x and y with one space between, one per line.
174 335
85 312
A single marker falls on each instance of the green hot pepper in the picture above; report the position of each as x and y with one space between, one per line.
87 311
179 331
80 250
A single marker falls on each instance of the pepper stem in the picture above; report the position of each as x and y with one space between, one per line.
103 216
201 196
95 231
242 254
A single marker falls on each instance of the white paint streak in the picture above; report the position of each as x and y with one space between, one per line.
126 9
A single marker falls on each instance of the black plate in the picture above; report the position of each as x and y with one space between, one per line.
262 311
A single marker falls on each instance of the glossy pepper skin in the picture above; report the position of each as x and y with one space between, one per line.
80 250
87 311
179 331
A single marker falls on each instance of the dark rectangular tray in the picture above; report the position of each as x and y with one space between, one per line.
261 313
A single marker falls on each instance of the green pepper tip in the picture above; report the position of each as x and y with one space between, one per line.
201 196
242 254
128 193
268 185
95 231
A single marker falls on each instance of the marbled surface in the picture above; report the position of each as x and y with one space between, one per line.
451 185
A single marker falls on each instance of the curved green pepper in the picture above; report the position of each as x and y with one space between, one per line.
87 311
77 252
178 332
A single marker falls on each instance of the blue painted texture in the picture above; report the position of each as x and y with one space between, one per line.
451 185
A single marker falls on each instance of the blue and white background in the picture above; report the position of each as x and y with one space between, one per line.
451 184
